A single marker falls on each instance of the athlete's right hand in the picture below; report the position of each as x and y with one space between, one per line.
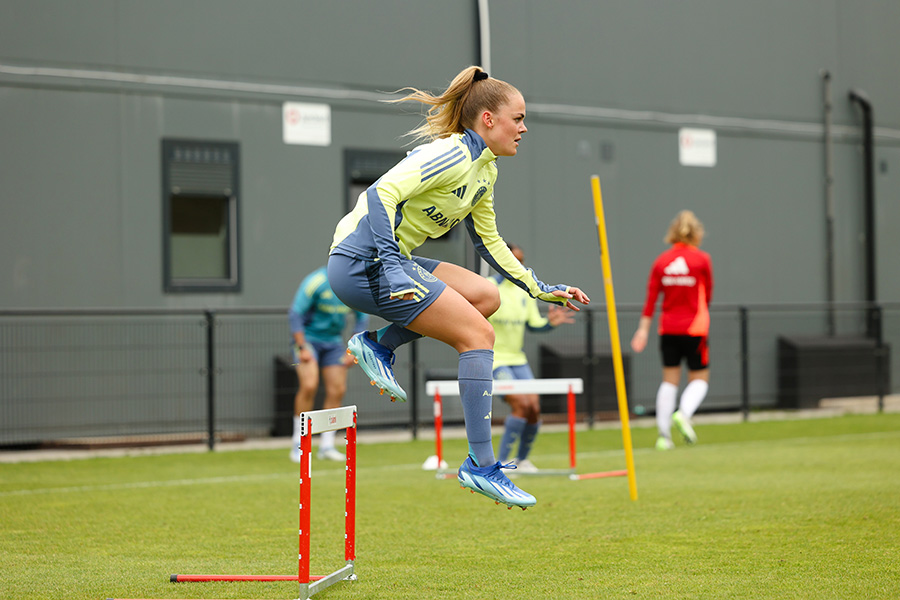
403 295
402 285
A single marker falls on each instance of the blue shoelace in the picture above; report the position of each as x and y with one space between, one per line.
496 474
383 353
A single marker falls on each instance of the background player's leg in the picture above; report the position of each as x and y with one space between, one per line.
666 398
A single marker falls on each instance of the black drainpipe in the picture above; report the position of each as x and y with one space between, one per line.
865 106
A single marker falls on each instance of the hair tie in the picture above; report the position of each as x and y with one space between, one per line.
480 76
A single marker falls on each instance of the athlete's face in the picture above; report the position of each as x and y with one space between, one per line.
506 126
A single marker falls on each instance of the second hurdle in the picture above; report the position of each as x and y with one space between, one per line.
570 387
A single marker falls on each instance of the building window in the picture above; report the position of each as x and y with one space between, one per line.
200 216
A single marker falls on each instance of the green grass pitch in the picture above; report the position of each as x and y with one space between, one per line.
776 509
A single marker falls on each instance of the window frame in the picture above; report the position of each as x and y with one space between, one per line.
228 191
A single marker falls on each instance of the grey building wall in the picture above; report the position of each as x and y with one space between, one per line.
750 71
89 89
85 103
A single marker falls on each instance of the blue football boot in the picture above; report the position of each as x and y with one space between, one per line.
491 482
376 361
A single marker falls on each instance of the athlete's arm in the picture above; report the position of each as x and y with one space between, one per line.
305 299
481 224
639 339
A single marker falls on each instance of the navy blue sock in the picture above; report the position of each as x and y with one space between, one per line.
393 336
475 387
511 433
528 434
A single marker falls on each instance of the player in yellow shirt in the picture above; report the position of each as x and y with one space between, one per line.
519 312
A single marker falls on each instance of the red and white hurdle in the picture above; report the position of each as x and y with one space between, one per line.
570 387
314 422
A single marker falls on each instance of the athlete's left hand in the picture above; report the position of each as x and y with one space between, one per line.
575 294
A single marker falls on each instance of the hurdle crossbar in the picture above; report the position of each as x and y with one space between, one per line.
570 387
311 423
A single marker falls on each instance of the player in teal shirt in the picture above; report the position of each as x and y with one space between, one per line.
317 320
443 183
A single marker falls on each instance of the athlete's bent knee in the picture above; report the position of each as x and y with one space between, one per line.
479 335
488 300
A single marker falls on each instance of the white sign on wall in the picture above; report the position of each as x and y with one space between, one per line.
697 147
307 124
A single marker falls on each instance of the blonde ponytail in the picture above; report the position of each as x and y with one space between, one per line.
685 228
460 106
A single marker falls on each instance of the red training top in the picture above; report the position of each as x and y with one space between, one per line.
684 274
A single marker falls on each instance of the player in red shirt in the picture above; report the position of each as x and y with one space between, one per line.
684 275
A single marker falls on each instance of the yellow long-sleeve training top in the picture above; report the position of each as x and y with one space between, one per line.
437 186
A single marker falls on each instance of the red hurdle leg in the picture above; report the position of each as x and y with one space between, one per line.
438 426
305 487
571 403
350 495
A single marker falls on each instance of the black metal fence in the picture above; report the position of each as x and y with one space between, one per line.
159 376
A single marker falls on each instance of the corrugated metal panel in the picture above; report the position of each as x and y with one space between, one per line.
206 178
205 167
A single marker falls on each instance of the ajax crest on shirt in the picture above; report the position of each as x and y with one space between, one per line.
479 195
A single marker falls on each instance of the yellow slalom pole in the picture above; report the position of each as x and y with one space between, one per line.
614 336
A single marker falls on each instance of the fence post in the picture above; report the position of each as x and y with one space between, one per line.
745 364
877 325
210 378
